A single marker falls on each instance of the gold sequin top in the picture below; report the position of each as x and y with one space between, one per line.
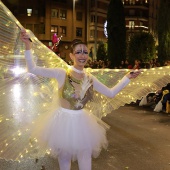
77 92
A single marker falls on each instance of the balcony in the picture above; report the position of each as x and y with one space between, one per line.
137 6
137 17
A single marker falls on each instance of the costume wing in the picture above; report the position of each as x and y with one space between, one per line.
23 96
15 80
150 80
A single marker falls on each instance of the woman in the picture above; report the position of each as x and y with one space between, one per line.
71 132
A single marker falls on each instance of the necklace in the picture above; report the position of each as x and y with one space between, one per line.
76 70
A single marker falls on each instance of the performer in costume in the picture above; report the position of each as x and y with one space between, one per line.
76 109
72 132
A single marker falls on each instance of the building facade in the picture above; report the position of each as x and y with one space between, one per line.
80 19
136 16
97 14
44 18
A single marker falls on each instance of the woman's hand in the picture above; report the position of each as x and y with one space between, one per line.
26 39
133 74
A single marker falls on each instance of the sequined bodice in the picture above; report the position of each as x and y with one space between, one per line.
77 92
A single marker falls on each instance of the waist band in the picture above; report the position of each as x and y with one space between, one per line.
69 111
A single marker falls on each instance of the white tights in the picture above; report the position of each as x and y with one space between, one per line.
84 161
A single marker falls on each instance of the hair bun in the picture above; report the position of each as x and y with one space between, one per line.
76 42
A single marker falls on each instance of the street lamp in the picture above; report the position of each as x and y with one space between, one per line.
95 36
29 12
73 19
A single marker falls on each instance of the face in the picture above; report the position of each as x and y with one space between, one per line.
126 62
136 62
79 55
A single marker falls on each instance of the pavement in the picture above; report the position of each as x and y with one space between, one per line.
139 139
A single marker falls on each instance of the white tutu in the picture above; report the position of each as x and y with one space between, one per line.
72 132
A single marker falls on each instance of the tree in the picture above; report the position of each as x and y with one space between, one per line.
101 52
163 30
116 33
141 47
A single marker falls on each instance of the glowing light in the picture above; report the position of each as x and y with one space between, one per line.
29 12
17 71
105 29
44 105
48 152
35 94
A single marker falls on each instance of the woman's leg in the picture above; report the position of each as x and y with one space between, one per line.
84 160
64 160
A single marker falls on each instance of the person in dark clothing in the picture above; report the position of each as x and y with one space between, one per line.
166 96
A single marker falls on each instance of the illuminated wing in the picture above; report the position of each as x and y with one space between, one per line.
23 96
150 80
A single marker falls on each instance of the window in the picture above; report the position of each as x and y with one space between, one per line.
102 5
141 23
63 14
79 32
42 29
132 2
63 31
22 11
36 28
79 16
39 28
92 2
29 27
61 1
36 12
93 18
131 12
54 13
141 13
79 2
54 29
92 33
131 24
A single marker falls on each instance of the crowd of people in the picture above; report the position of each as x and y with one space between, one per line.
96 64
137 64
159 100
